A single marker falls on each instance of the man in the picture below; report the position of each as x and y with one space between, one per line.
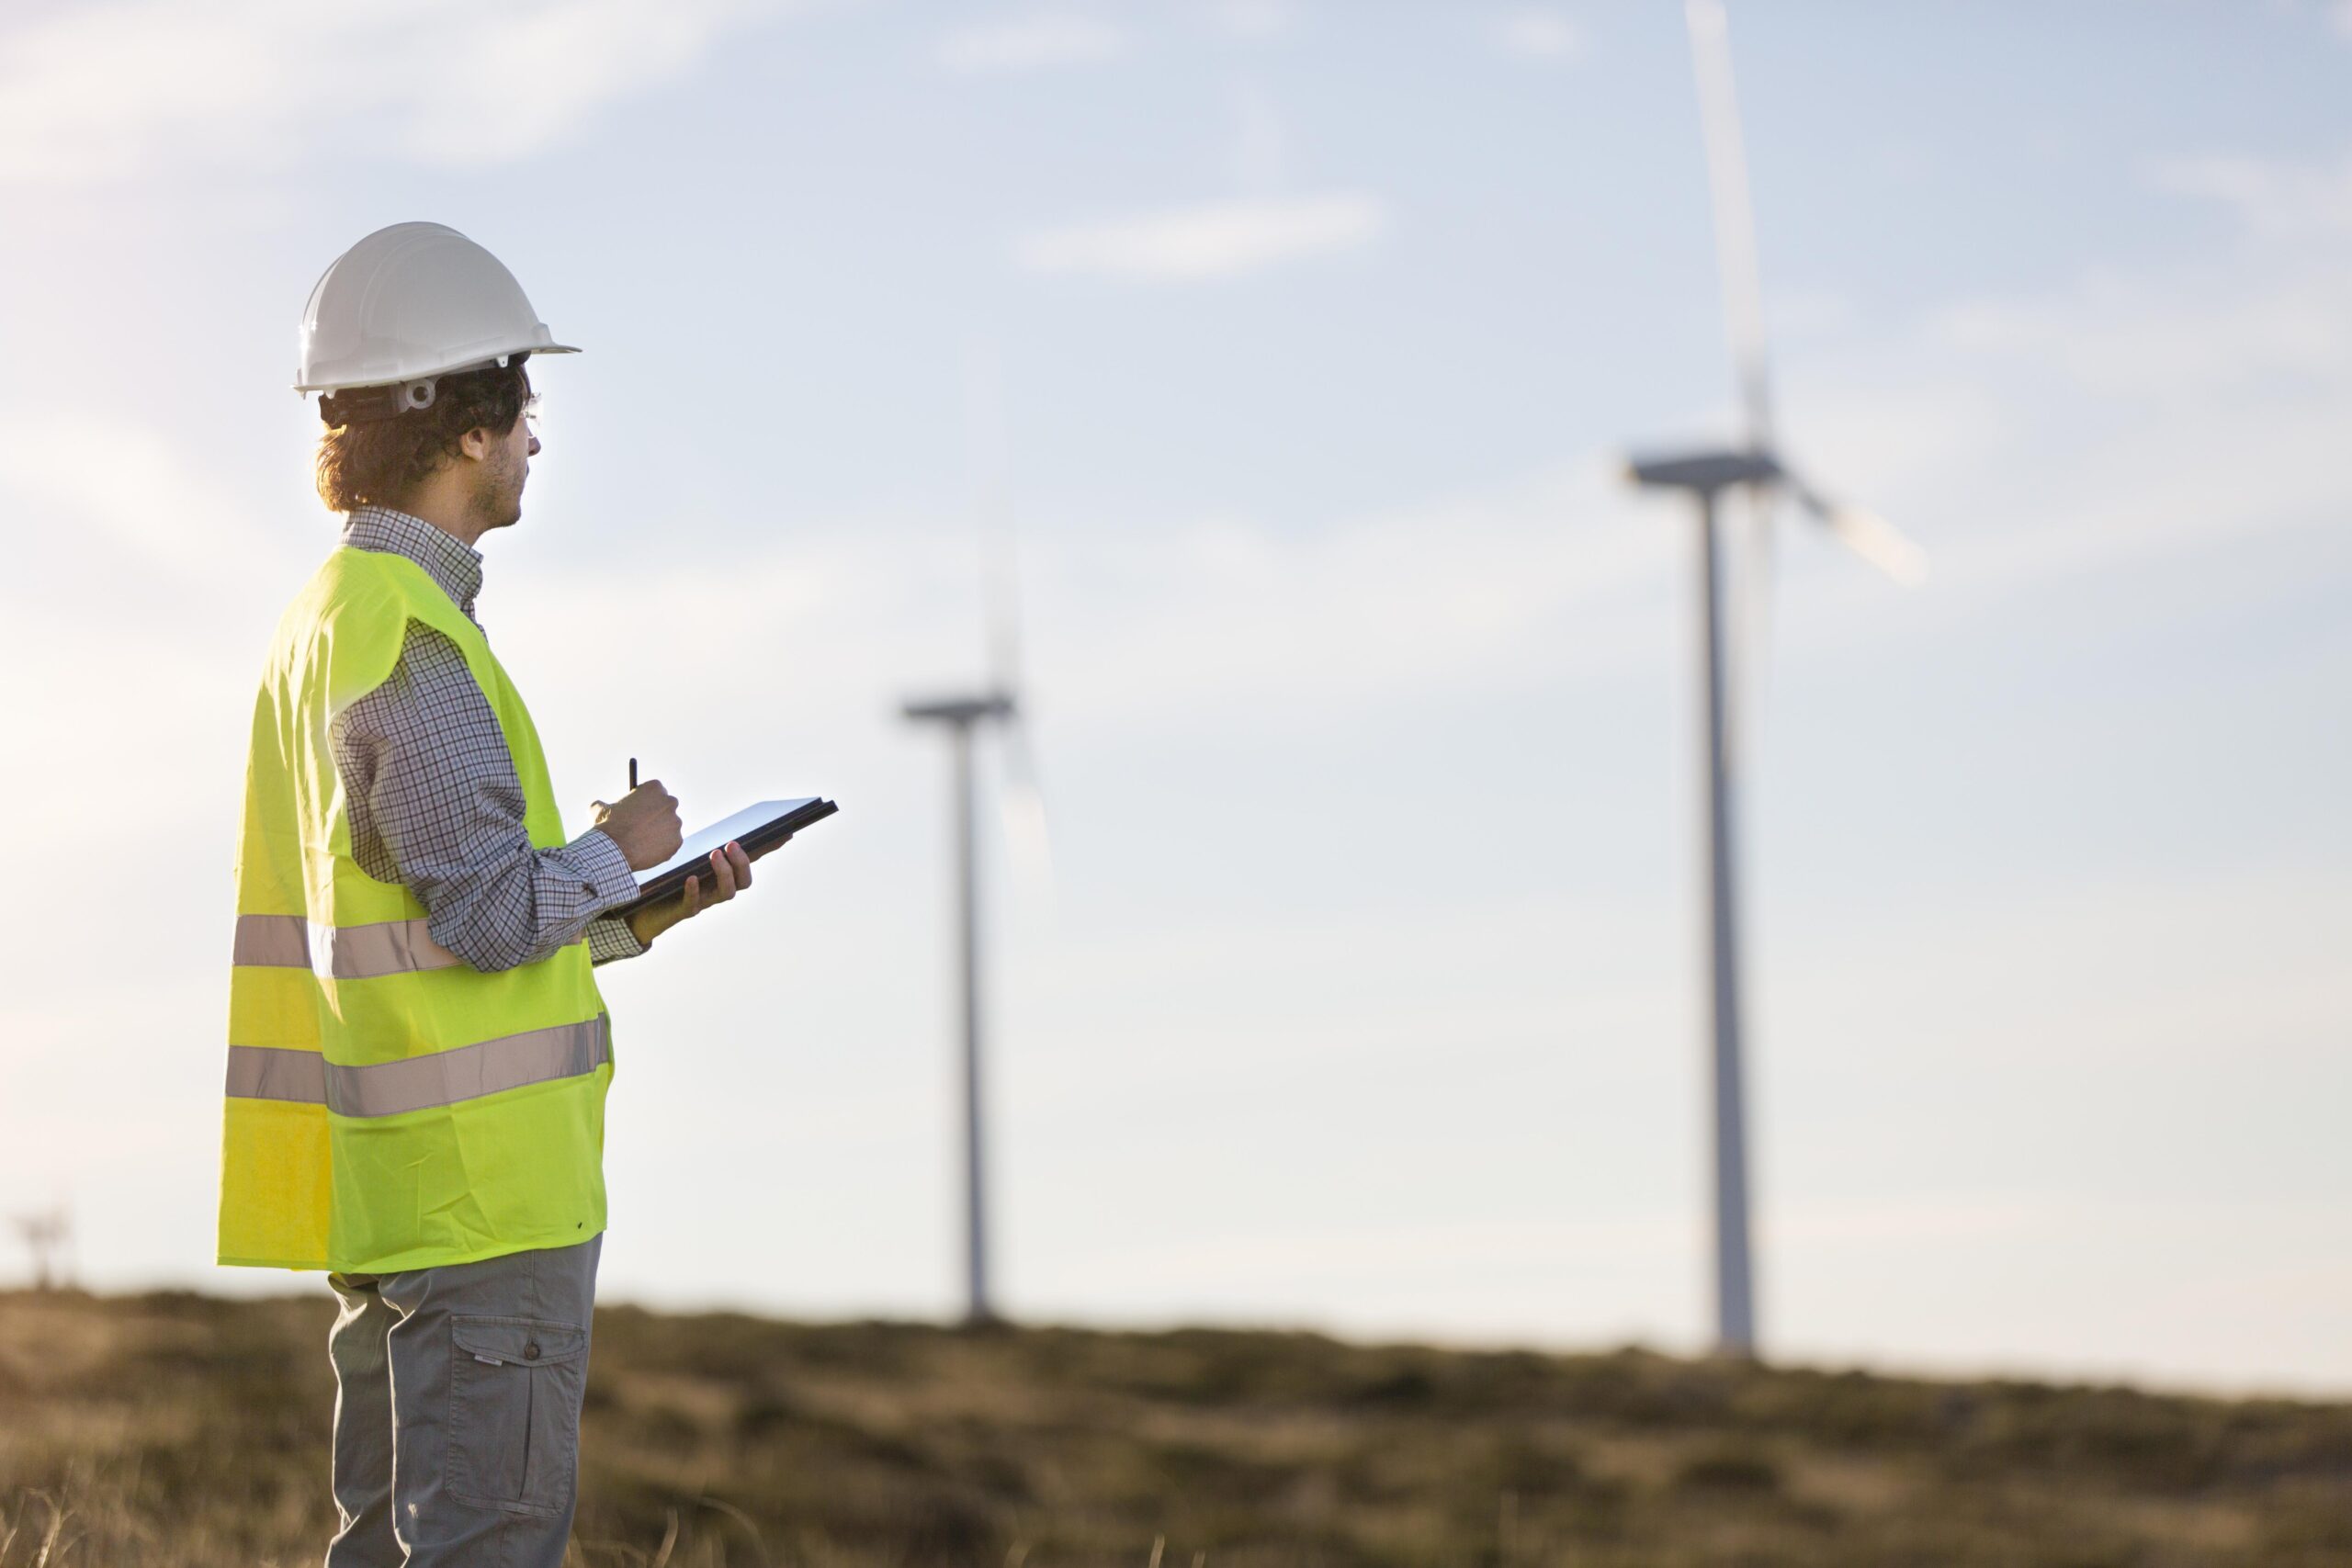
418 1054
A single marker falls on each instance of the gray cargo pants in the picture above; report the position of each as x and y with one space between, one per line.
456 1411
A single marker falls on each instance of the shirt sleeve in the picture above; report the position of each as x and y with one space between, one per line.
436 805
610 940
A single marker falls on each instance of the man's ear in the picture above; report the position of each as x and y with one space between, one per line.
476 443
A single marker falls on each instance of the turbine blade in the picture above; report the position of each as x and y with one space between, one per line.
1000 591
992 464
1734 215
1877 541
1870 536
1020 806
1755 574
1026 830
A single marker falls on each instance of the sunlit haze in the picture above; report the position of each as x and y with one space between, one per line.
1301 344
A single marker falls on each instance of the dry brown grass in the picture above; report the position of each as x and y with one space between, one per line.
179 1431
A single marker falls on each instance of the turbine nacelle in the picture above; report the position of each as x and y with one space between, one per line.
962 710
1705 472
1861 530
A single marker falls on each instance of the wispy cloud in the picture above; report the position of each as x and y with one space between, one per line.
2126 418
1253 18
1214 241
112 91
1535 32
2275 199
122 488
1480 593
1032 42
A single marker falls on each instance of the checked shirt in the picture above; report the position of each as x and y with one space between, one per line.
434 798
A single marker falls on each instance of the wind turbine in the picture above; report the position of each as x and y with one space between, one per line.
47 1235
995 701
1757 468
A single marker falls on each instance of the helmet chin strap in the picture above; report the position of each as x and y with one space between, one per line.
367 405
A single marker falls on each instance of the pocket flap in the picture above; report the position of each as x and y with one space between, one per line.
519 1341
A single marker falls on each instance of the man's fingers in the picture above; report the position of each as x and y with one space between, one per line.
693 896
742 865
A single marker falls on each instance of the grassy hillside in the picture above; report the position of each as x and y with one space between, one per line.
174 1429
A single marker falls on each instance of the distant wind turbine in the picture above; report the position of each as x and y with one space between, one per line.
48 1236
995 701
1757 468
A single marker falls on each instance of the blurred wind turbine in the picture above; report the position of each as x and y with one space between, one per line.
1757 469
48 1236
1021 803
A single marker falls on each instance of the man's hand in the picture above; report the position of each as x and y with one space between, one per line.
644 823
730 872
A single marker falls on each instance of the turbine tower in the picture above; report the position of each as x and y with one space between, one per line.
1757 469
961 716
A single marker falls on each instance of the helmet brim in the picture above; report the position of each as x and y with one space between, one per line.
473 362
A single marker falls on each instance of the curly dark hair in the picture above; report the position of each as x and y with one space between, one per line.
380 461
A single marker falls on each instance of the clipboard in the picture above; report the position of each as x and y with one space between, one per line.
758 828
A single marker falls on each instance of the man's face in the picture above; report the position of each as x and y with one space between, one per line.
499 479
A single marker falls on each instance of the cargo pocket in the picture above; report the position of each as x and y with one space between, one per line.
514 1390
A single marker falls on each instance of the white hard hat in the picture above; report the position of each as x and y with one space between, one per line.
411 302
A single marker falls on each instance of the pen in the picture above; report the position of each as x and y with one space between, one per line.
632 772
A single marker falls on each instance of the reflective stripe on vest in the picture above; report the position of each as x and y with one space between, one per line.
421 1083
338 952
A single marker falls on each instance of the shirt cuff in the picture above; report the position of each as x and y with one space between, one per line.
602 865
610 940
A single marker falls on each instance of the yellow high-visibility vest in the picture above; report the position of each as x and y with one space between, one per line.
391 1107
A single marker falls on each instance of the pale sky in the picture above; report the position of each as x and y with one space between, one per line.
1361 991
